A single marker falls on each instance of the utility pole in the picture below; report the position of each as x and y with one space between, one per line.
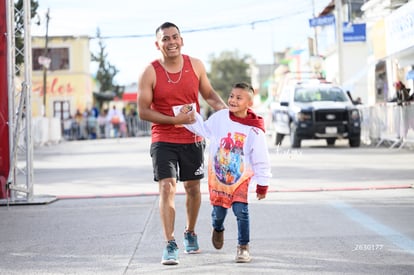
316 52
339 40
45 64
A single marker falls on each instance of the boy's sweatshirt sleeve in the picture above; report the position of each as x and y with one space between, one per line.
260 163
200 127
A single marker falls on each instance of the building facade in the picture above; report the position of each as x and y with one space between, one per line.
392 46
61 78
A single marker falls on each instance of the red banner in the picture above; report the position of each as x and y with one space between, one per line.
4 102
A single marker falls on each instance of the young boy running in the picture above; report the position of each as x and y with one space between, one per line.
238 156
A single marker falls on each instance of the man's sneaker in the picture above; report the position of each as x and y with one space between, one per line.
190 243
217 238
170 254
243 255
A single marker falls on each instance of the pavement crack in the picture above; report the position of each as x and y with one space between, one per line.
147 220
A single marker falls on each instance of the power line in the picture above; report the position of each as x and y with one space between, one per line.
206 29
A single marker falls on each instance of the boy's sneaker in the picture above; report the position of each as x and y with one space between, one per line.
243 255
190 243
170 254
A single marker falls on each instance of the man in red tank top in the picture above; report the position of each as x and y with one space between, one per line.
165 85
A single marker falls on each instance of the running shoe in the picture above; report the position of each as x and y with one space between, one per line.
170 254
190 243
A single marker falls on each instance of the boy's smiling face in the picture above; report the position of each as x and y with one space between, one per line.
239 101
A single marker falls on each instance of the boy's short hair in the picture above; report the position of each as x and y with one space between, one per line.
244 86
166 25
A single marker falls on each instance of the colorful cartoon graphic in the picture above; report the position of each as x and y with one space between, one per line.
229 160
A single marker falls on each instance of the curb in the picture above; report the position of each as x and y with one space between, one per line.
148 194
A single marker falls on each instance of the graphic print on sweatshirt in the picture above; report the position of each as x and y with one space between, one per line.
229 158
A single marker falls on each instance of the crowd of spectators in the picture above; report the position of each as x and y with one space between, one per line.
105 123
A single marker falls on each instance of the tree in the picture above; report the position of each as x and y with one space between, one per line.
19 22
105 74
227 69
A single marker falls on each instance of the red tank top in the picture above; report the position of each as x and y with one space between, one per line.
167 94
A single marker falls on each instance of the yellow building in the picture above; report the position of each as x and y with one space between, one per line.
69 84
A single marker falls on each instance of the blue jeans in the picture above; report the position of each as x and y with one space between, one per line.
116 128
241 211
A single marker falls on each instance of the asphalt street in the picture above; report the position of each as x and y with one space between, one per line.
330 210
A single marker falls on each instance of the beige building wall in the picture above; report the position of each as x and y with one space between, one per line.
71 84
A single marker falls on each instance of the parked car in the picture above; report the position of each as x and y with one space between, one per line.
316 110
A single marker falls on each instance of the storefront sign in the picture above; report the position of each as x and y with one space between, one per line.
354 32
399 28
322 21
410 75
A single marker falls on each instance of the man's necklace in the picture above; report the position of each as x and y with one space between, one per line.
169 78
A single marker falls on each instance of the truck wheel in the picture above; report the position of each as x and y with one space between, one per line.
355 142
330 141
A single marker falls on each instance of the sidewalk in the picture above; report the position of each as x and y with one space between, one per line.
120 233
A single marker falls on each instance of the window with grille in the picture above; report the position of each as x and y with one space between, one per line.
59 58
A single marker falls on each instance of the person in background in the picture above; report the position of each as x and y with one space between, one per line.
67 128
238 162
78 121
115 118
91 123
131 123
123 126
173 80
402 93
358 101
102 124
84 131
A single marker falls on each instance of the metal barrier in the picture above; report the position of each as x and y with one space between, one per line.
49 131
407 125
366 121
383 124
137 127
388 124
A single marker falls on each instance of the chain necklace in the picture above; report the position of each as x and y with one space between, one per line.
172 81
169 78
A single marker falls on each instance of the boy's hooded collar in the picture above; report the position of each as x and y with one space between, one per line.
251 120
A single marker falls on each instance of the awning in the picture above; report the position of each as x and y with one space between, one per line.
130 97
107 95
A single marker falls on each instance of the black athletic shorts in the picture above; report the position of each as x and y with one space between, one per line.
181 161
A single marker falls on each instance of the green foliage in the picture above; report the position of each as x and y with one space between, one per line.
227 69
19 22
106 72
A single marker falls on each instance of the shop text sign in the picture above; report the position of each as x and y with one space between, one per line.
354 32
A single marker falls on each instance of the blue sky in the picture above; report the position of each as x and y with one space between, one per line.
278 24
